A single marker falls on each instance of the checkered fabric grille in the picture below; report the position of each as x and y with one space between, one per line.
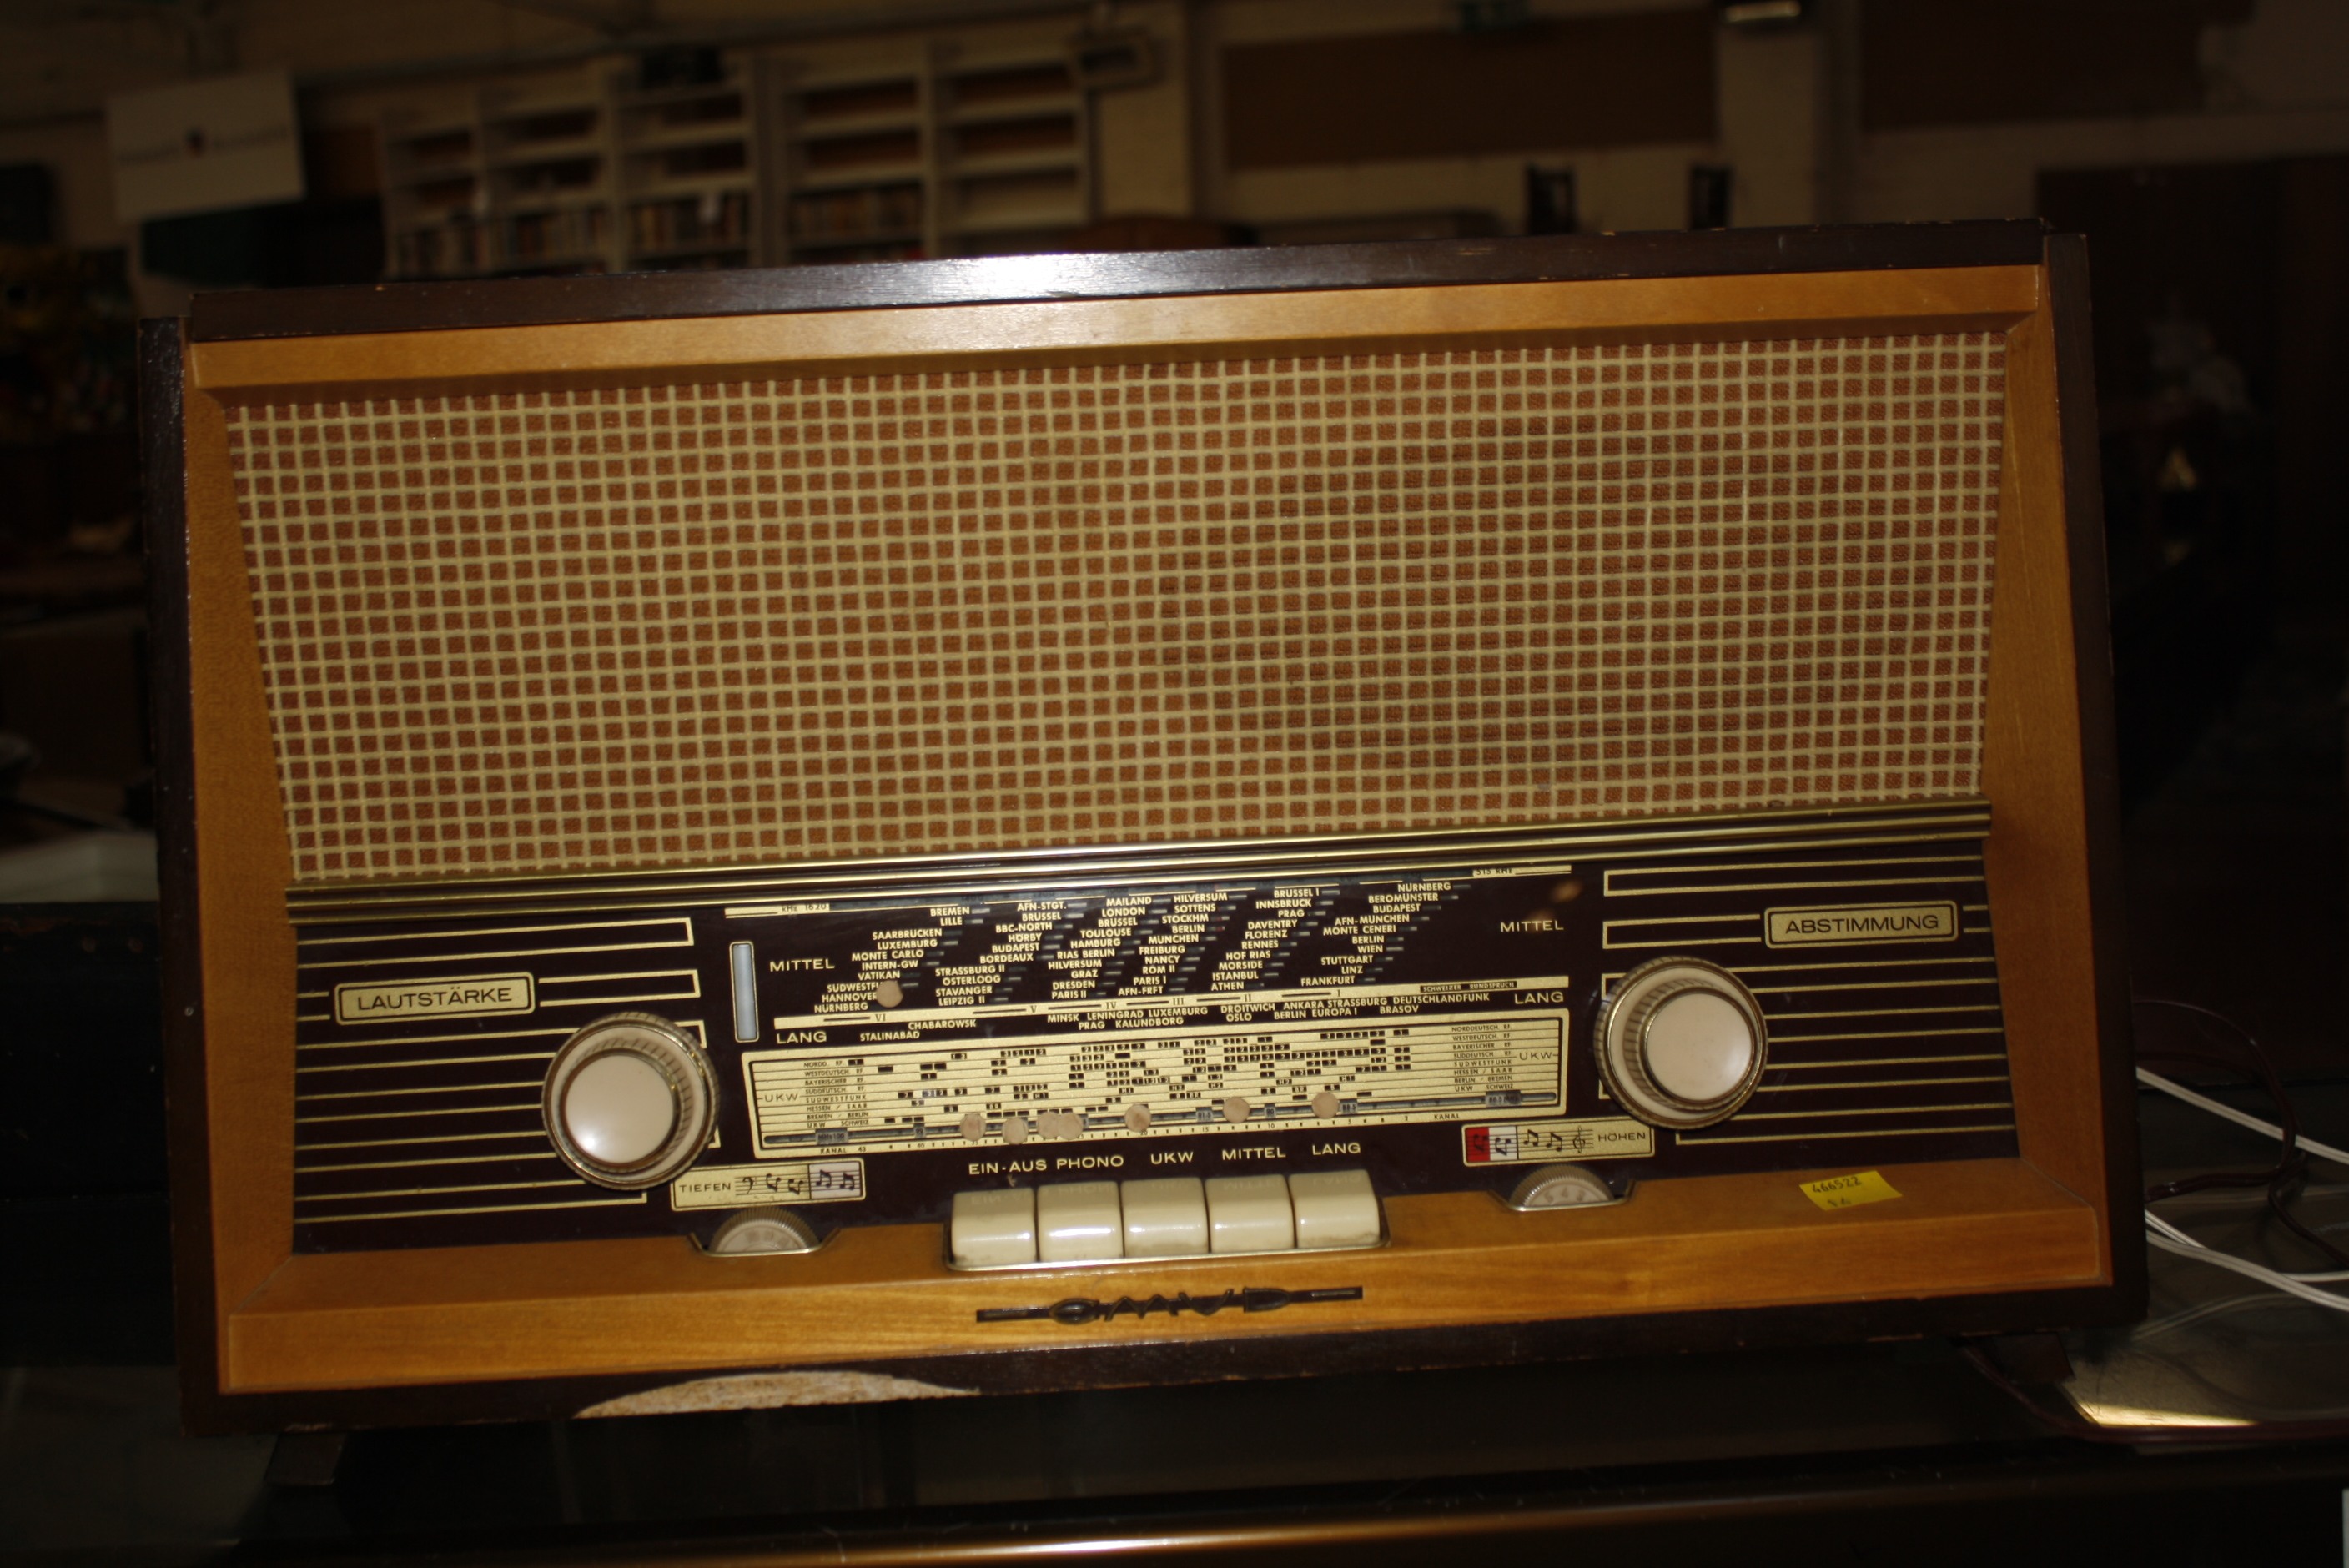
991 609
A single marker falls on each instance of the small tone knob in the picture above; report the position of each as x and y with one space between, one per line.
1681 1043
748 1233
628 1101
1562 1187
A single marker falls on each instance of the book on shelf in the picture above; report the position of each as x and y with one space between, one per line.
458 247
843 254
715 219
875 211
570 232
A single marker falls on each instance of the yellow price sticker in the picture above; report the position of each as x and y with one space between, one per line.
1850 1191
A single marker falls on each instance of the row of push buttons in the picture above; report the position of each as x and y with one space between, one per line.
1163 1217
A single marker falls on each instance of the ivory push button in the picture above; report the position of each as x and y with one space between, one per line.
993 1226
1078 1223
1162 1217
1334 1209
1165 1217
1249 1214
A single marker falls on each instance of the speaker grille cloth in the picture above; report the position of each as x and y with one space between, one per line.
976 610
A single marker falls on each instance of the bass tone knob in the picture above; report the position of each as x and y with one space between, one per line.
750 1231
1681 1043
629 1100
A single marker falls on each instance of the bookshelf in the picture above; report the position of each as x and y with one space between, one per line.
1013 156
436 196
548 167
757 159
513 185
855 160
941 156
690 180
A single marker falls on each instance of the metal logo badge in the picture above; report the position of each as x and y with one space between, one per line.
1078 1310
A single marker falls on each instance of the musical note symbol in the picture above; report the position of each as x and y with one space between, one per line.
844 1180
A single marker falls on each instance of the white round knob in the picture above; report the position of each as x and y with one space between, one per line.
620 1109
1681 1043
1698 1046
628 1101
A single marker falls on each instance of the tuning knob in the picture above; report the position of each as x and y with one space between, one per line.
1681 1043
628 1101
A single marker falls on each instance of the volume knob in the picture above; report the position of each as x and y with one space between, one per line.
628 1101
1682 1042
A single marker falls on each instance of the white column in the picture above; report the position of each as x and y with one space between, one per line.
1773 107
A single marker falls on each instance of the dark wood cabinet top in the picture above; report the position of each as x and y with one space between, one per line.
534 301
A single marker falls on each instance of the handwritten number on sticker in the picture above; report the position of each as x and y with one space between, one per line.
1850 1191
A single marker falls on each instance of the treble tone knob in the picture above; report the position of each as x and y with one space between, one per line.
629 1100
1681 1043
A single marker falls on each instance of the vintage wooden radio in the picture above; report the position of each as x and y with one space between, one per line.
870 831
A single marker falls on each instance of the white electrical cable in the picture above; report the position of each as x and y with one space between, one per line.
2175 1234
2241 1119
2169 1239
